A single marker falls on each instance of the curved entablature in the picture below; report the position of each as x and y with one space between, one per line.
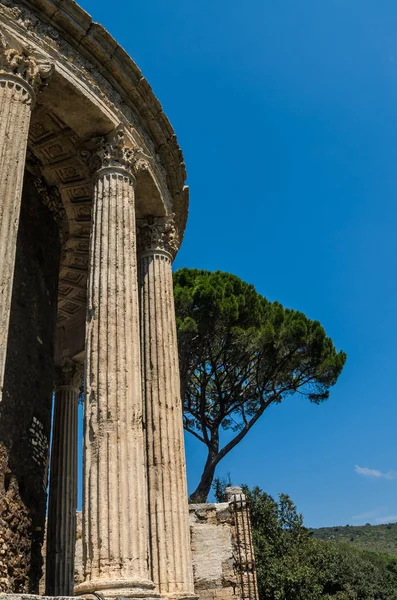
94 89
90 60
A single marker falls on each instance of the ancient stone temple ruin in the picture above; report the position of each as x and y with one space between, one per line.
93 206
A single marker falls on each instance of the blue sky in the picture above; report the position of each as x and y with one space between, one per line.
287 116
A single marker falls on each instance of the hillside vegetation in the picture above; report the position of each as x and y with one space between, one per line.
293 565
376 538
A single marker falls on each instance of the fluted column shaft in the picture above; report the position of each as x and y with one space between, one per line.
15 109
167 489
115 522
61 524
20 77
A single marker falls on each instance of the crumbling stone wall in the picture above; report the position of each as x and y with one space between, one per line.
223 556
27 396
223 553
214 551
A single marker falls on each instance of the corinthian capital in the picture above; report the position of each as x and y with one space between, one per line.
113 152
68 374
157 234
21 63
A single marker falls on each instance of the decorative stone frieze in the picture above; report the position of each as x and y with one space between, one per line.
168 501
158 235
61 525
52 199
81 51
115 520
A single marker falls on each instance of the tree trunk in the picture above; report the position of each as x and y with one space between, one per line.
215 455
200 494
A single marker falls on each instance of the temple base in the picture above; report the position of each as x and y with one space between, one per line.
118 588
5 596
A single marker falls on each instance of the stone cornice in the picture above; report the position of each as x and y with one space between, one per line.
62 25
157 235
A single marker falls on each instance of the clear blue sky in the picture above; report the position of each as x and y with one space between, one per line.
287 116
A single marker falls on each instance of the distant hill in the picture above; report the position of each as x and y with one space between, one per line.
377 538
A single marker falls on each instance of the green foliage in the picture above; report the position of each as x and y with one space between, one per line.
377 538
219 486
291 565
240 353
283 549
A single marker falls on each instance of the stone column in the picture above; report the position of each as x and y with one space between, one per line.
115 520
20 77
168 502
61 525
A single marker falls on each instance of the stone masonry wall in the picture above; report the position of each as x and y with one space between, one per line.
223 562
26 404
214 551
213 546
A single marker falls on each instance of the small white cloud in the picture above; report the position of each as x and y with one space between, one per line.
375 473
367 472
388 519
370 514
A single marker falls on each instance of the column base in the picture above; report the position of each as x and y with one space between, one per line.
118 588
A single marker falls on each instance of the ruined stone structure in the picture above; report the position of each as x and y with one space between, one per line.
222 550
93 206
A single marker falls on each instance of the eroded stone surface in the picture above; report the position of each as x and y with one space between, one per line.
223 554
115 526
217 551
25 410
64 85
15 527
33 597
18 73
168 510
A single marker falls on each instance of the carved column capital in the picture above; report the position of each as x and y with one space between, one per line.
69 374
112 153
158 235
19 67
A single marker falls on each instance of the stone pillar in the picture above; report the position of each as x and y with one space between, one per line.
168 502
20 77
244 546
61 525
115 519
